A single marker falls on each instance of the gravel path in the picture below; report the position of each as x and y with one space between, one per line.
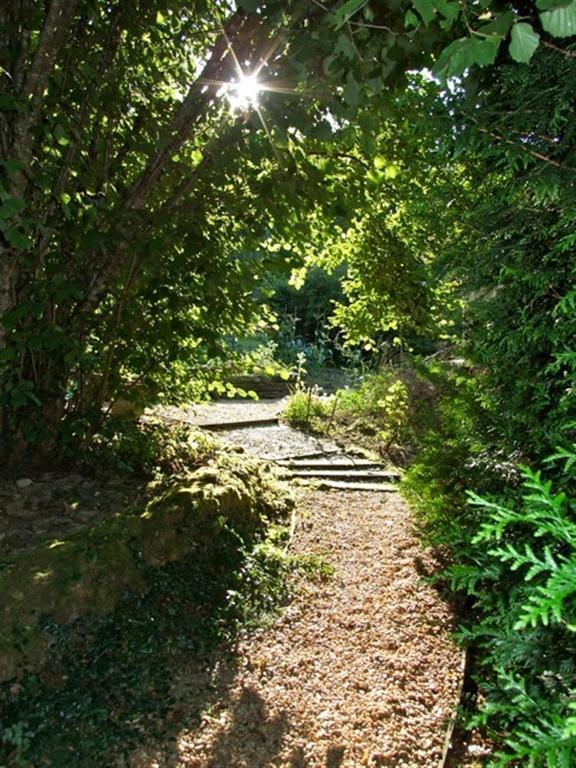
224 410
359 671
277 442
268 442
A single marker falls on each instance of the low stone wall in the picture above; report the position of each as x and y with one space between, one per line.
89 571
266 387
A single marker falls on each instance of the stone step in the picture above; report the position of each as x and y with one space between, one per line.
357 476
229 425
339 462
325 454
341 485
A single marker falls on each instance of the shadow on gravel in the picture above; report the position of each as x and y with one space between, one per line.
232 747
138 677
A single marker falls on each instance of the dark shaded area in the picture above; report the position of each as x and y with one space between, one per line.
268 735
110 682
457 752
335 757
310 306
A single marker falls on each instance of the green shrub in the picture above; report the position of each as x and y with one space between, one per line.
307 409
520 571
383 410
148 449
454 449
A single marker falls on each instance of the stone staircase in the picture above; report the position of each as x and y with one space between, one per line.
340 471
301 457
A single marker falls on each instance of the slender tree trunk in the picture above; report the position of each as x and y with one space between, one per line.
8 284
248 36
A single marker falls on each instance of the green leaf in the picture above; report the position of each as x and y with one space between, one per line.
65 198
561 22
380 162
499 25
375 177
483 52
323 131
346 11
368 14
426 10
352 93
196 157
411 20
330 65
523 42
344 47
465 53
450 10
160 18
60 136
548 5
14 237
11 207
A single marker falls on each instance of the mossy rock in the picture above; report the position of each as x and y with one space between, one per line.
89 571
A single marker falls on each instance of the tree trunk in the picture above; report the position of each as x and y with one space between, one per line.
8 283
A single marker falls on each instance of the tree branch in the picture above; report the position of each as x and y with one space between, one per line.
59 14
52 38
563 51
193 105
532 152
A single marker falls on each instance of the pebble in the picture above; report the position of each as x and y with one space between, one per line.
17 509
53 504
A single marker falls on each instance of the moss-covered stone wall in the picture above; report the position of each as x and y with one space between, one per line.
90 571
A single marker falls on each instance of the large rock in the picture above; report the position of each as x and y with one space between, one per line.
89 571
